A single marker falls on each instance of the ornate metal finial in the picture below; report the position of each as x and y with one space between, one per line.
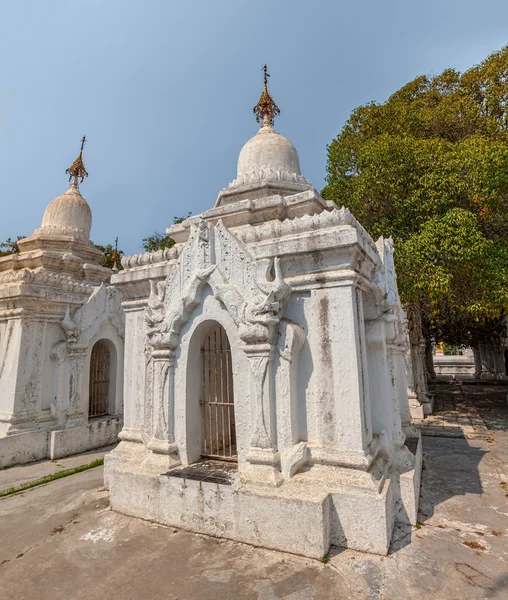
77 169
266 110
115 256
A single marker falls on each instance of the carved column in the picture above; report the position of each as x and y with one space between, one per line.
134 391
385 412
414 405
293 452
402 423
477 362
340 422
492 358
76 409
262 455
10 346
163 404
416 361
60 358
429 360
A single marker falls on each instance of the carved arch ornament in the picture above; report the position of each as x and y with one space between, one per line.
244 287
103 305
68 356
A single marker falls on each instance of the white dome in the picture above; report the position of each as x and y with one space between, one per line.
70 211
268 152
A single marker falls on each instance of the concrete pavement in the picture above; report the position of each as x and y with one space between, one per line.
60 541
16 476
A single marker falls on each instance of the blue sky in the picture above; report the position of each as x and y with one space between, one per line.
164 92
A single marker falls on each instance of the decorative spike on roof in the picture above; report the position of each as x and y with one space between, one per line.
266 110
77 169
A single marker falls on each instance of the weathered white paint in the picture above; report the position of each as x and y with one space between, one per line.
420 400
54 305
462 365
310 307
318 345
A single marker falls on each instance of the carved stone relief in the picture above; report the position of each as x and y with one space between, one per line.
213 256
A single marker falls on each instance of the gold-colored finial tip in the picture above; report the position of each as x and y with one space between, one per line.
77 169
266 110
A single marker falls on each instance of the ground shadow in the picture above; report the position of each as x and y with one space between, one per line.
450 468
451 465
499 586
482 402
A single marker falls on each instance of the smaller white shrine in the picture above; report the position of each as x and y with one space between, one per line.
265 388
61 338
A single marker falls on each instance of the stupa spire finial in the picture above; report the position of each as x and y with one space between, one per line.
77 169
266 110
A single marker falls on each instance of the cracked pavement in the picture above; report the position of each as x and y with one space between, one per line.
60 541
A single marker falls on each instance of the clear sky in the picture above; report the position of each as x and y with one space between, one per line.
164 91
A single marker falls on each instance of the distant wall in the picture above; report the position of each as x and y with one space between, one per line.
454 365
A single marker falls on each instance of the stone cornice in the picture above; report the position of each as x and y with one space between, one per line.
58 241
59 264
134 305
149 258
61 282
256 211
251 234
266 174
340 278
139 289
242 189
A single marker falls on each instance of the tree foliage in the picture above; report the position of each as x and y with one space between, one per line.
111 255
161 241
10 246
430 168
157 241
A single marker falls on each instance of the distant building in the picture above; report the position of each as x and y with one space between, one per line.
61 338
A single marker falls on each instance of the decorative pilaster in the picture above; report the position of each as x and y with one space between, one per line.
163 402
59 356
344 419
293 452
263 453
416 346
135 376
384 415
22 363
13 413
400 404
396 355
75 412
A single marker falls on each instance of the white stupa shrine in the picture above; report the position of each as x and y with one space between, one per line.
265 395
61 338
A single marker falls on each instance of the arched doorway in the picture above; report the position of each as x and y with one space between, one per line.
217 400
100 379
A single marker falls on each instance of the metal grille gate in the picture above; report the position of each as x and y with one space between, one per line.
217 405
99 380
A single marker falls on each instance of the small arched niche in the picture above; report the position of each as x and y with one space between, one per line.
216 399
102 379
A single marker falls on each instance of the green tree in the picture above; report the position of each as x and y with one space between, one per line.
112 255
430 168
160 241
10 246
157 241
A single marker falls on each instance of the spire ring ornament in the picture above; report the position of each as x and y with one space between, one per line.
266 110
77 169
